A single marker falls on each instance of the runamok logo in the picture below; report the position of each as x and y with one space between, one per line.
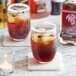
71 18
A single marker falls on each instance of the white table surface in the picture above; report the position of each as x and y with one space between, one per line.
68 54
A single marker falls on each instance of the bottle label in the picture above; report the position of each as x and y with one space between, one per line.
68 24
43 5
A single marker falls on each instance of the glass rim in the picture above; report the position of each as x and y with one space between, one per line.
33 28
18 11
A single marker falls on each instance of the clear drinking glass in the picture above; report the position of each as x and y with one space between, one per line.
43 41
18 21
6 61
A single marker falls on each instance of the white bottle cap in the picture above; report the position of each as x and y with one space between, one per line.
72 1
59 1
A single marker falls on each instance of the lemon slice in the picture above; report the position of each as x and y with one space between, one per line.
47 39
36 39
11 18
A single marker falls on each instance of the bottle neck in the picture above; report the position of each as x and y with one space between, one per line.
0 1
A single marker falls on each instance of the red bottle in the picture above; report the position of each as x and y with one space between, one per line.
68 25
40 8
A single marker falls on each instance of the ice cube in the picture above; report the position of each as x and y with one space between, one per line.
24 16
47 33
21 16
34 38
27 15
47 39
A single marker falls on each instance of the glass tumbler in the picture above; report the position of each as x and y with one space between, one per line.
6 61
43 41
18 21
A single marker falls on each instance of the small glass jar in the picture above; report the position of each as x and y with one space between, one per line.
68 24
6 61
40 8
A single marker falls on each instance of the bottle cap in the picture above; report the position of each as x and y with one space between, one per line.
59 1
72 1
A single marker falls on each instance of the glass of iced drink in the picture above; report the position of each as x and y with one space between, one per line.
18 21
43 41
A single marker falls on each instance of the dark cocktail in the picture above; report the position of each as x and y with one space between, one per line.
43 42
18 21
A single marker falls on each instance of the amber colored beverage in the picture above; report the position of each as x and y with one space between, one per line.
43 42
18 21
1 24
3 14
